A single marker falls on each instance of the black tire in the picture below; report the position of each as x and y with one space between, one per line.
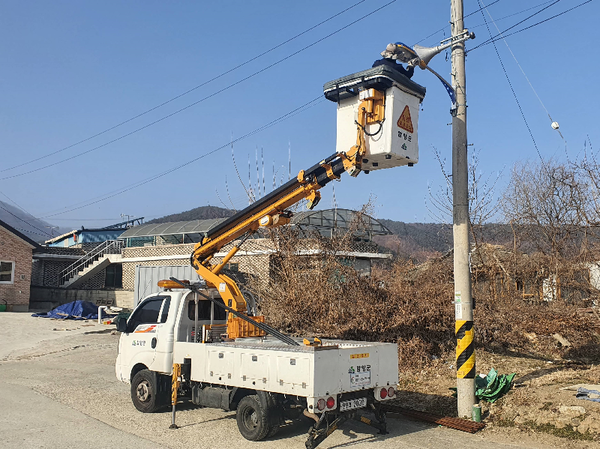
252 419
274 430
275 413
144 392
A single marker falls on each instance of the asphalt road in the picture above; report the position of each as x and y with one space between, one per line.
58 390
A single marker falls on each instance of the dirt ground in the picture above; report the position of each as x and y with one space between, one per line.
540 401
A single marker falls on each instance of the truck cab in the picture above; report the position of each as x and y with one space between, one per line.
148 335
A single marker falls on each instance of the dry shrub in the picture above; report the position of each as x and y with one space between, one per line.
315 291
321 294
514 326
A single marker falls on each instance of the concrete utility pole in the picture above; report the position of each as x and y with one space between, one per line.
465 352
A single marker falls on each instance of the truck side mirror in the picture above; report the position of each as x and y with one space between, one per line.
122 324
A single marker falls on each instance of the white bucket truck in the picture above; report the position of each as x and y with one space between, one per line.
202 342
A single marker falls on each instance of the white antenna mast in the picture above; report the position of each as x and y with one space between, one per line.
289 160
257 173
262 161
251 194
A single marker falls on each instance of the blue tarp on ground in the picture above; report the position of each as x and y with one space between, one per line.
76 310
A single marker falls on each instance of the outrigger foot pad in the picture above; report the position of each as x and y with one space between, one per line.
379 424
317 433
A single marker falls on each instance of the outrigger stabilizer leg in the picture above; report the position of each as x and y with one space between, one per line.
322 428
174 390
380 421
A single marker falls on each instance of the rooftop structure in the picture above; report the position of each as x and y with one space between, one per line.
326 222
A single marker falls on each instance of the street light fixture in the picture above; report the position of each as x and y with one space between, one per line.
419 56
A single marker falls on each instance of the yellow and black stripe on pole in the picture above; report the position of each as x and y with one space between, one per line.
465 351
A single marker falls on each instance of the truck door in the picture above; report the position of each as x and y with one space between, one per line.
145 328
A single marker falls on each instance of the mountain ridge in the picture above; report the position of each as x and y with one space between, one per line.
415 240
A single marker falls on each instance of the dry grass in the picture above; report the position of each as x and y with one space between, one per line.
323 295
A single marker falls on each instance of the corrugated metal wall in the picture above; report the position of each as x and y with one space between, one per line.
146 278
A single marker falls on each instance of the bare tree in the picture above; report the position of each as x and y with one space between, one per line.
482 200
546 202
550 206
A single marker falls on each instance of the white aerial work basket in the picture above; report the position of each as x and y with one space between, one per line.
392 143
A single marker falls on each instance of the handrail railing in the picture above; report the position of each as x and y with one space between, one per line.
107 247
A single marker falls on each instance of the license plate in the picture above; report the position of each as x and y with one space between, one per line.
352 404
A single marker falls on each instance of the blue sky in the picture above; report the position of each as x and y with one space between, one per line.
70 70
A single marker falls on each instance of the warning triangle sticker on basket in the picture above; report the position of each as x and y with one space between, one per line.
405 121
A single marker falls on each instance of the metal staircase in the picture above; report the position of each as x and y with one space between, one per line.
97 259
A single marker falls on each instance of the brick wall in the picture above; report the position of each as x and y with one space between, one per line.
13 249
97 281
46 271
161 250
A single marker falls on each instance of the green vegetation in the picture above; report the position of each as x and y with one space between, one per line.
565 432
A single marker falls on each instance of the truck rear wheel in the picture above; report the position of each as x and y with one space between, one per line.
144 392
253 419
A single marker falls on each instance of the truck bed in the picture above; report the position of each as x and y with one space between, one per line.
307 371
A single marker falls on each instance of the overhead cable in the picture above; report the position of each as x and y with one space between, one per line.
512 89
45 233
531 26
202 99
14 202
115 193
492 38
512 15
527 78
442 29
187 91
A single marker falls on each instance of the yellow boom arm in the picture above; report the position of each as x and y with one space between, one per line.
272 210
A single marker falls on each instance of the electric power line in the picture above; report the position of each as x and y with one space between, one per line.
475 12
281 118
527 78
513 14
491 39
14 202
205 98
531 26
512 89
442 29
29 231
187 91
26 222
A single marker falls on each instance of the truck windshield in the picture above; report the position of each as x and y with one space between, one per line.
148 312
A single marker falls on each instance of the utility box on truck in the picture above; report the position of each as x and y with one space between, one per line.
393 142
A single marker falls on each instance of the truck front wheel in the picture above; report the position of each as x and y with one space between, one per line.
252 419
144 392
